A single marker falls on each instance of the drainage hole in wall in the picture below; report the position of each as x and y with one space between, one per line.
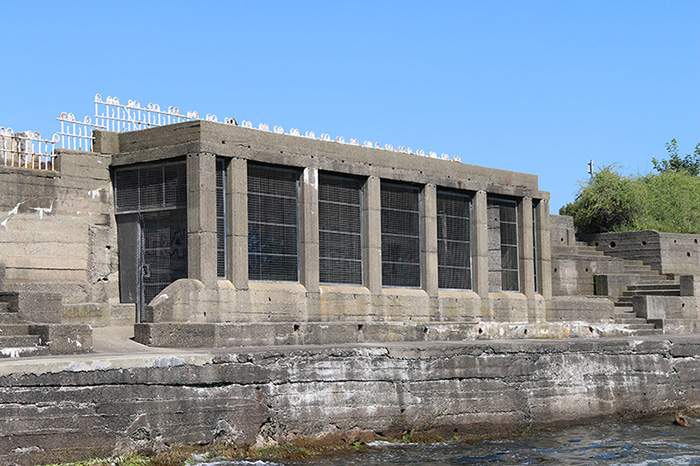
561 239
269 299
586 269
223 142
296 328
480 331
596 244
425 330
360 328
612 244
555 270
590 329
674 241
644 243
682 304
525 332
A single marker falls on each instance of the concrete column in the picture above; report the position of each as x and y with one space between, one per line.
544 252
429 247
308 234
372 234
237 218
480 245
201 218
526 247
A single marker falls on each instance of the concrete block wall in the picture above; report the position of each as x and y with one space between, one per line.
57 229
668 253
237 299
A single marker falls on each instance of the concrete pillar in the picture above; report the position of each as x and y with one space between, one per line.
480 245
544 255
526 247
201 218
429 247
308 233
237 218
372 234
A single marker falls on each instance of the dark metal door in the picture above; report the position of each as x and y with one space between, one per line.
152 254
130 245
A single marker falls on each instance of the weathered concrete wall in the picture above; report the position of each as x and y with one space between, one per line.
574 267
90 405
57 229
669 253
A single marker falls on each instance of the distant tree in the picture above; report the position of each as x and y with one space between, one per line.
675 163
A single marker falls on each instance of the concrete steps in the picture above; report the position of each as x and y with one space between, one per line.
15 337
626 317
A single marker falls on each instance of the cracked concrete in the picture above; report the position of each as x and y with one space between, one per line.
127 397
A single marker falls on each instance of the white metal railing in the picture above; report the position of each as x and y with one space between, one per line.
114 116
29 150
26 149
76 134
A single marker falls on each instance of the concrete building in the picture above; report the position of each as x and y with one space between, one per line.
212 234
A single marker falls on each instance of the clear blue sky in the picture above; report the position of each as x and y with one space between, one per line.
533 86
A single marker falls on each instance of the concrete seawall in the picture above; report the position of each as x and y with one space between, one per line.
95 404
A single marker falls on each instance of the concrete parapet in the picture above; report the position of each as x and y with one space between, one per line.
668 253
580 308
659 308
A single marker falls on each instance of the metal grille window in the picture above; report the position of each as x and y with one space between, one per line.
534 245
340 229
272 223
400 235
454 240
503 245
151 188
220 218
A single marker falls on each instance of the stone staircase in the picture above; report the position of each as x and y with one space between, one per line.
651 282
15 337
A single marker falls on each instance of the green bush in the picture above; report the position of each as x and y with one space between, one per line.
667 201
607 202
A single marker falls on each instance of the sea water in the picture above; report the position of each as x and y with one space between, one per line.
655 441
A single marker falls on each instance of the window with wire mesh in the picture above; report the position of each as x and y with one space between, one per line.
220 218
503 245
400 235
454 240
340 229
535 256
151 188
272 223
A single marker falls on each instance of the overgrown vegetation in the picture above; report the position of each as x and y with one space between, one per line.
667 201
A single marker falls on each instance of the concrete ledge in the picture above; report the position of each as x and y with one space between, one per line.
35 306
64 338
200 335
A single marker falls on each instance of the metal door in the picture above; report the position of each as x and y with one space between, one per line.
130 243
152 254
